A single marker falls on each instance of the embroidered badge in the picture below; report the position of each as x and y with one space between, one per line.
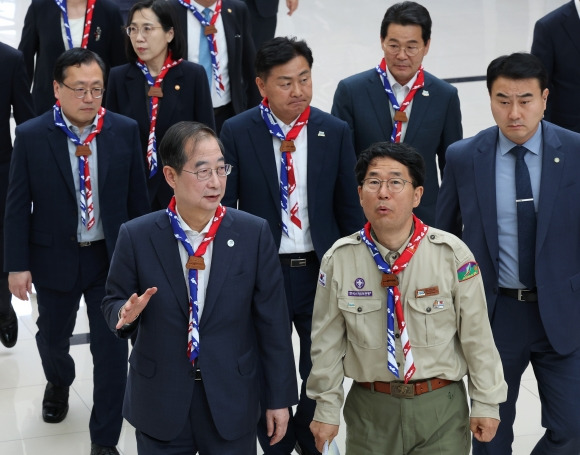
438 304
359 283
467 271
322 278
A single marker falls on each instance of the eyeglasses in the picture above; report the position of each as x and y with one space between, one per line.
205 174
96 92
145 31
394 185
394 49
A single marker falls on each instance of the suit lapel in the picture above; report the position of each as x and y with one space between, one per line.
135 87
421 105
317 145
572 26
484 175
380 103
264 150
167 251
225 245
105 144
229 31
57 141
553 163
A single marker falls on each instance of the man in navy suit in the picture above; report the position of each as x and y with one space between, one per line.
202 286
421 110
235 53
557 44
15 96
264 16
531 269
76 175
308 196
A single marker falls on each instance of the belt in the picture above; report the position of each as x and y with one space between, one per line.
222 109
93 243
196 374
523 295
298 259
402 390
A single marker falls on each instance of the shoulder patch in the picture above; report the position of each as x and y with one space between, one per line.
322 278
467 271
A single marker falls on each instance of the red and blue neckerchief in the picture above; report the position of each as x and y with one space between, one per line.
394 306
193 327
287 176
86 187
154 106
419 83
88 19
211 41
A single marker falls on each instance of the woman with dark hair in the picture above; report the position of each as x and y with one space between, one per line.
157 88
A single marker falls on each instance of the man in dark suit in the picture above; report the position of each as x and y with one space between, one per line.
557 44
13 97
199 393
516 188
264 16
76 175
43 41
400 102
235 91
309 196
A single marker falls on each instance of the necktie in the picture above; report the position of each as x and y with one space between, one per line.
394 305
526 220
204 54
400 115
194 264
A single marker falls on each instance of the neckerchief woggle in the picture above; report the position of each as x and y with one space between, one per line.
88 20
419 83
394 305
193 327
287 176
211 41
85 185
155 94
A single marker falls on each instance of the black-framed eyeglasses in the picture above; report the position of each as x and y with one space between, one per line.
394 49
96 92
145 31
205 174
394 185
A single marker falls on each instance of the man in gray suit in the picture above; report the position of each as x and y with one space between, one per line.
400 102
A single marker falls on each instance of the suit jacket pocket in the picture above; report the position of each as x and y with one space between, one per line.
365 325
142 365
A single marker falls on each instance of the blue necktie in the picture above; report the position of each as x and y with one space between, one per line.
204 55
526 220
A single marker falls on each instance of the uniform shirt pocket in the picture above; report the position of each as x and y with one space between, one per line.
364 321
430 320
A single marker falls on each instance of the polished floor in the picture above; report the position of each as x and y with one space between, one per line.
344 37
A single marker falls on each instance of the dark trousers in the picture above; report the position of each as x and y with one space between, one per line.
199 434
300 285
263 28
221 114
57 313
520 339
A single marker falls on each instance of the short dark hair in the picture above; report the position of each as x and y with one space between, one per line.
76 56
519 65
172 147
279 51
408 13
165 12
401 152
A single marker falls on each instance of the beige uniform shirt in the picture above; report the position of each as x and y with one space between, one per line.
448 327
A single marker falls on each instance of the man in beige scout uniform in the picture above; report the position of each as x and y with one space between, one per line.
400 309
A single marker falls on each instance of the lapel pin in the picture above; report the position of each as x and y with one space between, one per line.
98 33
556 160
177 87
425 93
321 134
230 243
229 10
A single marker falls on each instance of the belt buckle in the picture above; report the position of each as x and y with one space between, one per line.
522 295
402 390
83 244
299 262
197 375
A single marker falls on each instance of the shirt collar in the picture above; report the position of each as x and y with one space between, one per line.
533 144
186 227
394 82
200 8
577 4
75 129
